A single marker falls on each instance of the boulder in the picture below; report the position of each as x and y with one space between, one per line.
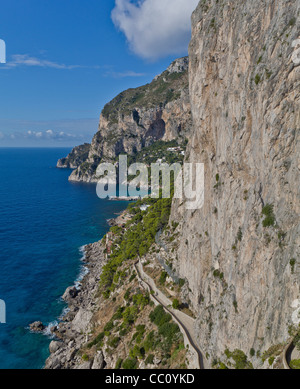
70 293
84 366
98 363
54 346
37 326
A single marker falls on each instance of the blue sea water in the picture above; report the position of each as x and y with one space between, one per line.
44 221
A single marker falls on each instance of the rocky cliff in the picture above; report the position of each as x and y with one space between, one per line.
234 264
139 117
240 253
78 155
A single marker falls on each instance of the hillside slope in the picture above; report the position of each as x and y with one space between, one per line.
136 118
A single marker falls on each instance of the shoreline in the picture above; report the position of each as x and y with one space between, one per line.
81 297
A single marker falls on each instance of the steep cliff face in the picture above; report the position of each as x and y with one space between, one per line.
78 155
240 253
139 117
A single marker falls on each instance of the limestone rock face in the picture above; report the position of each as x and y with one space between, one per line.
99 362
139 117
245 92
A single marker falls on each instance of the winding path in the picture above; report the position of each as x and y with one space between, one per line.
185 322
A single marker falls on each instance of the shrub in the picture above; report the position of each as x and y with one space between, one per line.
295 364
150 359
268 212
119 364
257 79
176 304
114 342
240 359
240 235
138 336
130 364
109 326
271 360
163 277
137 352
85 357
97 340
159 316
235 304
293 263
169 330
150 342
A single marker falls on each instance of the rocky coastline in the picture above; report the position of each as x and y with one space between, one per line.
71 332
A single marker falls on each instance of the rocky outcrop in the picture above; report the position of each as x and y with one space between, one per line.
71 333
240 253
139 117
37 326
77 156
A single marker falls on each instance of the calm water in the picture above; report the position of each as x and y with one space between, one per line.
44 220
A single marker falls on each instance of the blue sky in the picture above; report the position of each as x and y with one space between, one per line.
67 58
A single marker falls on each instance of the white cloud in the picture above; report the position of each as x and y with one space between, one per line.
125 74
155 28
18 60
26 60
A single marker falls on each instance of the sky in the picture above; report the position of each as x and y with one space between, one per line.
65 59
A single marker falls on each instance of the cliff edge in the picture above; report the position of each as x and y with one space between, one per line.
240 252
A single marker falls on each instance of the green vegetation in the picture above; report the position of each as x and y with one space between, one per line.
295 364
268 73
240 359
292 22
159 316
268 212
164 89
293 263
297 339
97 340
272 352
240 235
257 79
271 360
119 364
159 150
168 332
137 352
139 335
217 273
163 277
137 240
176 304
150 359
130 364
235 304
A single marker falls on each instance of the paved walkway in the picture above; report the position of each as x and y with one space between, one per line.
185 322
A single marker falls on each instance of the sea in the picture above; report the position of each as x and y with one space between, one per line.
45 221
